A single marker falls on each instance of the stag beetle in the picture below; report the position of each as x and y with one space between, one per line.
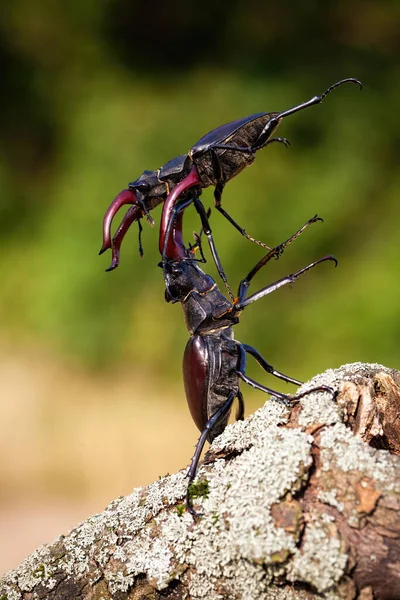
214 362
145 193
215 159
223 153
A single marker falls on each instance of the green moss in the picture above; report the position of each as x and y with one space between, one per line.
199 490
39 571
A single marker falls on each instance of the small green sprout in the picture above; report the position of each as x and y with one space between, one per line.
199 490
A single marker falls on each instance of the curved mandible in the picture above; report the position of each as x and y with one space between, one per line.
124 197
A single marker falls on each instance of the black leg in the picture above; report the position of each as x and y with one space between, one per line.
176 211
240 229
249 149
240 410
217 416
241 372
218 173
207 231
197 246
281 282
287 400
273 253
220 186
267 367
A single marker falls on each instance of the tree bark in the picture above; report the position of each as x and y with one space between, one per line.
297 504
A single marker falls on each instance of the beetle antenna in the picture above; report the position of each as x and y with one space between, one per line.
338 83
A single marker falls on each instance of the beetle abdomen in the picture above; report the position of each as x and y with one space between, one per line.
209 373
242 133
196 378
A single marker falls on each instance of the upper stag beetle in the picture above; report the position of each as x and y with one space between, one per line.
214 362
213 160
223 153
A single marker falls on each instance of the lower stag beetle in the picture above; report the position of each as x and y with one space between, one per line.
214 362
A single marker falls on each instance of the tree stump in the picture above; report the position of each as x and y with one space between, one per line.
295 504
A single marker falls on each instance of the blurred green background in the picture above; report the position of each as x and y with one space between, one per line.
93 93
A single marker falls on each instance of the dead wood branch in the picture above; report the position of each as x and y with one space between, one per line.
301 504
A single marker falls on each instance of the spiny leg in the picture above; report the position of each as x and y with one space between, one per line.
286 399
273 253
248 149
211 423
207 231
240 409
221 184
241 372
281 282
197 246
175 213
267 366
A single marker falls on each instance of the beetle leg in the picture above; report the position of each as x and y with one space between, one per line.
223 146
207 231
275 120
175 212
267 367
211 423
197 246
241 372
284 141
240 229
286 399
240 410
242 303
274 253
319 388
246 149
219 189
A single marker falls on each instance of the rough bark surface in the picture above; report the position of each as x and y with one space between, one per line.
299 504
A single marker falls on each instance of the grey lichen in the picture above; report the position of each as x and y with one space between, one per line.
237 548
341 449
321 561
240 546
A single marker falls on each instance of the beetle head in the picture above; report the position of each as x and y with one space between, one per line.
182 277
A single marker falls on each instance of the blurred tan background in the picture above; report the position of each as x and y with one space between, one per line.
93 93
